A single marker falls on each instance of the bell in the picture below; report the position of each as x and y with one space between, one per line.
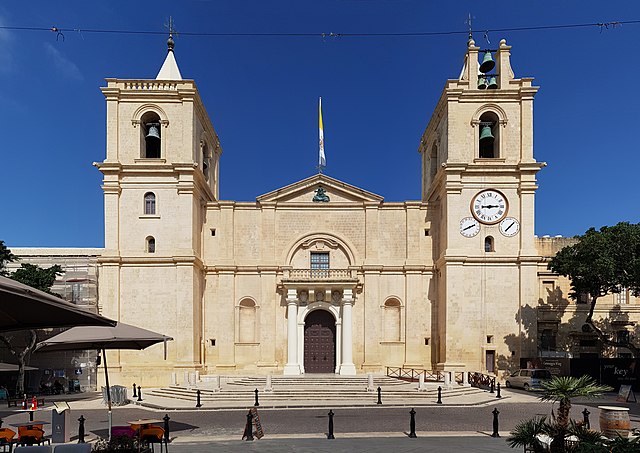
485 133
153 131
482 83
487 63
493 84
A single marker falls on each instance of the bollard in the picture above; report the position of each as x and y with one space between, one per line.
166 428
81 429
439 396
248 428
412 424
135 395
1 422
495 423
498 391
330 435
198 398
379 396
585 415
492 384
256 403
139 394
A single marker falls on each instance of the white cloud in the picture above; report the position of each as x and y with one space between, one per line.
62 64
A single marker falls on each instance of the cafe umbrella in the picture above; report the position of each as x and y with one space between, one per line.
23 307
121 336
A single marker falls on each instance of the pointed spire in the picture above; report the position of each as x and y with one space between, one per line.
169 69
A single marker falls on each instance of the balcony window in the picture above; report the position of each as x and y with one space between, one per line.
319 264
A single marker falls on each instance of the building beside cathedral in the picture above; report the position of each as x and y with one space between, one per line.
321 276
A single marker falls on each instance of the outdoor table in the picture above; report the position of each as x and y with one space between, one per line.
30 411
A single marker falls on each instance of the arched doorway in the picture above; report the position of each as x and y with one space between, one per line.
319 342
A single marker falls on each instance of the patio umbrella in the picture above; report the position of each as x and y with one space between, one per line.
23 307
121 336
12 367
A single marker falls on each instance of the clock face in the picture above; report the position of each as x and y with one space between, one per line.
509 226
489 206
469 227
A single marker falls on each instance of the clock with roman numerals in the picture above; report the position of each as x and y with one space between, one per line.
489 206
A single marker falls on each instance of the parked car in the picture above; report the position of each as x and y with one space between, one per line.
528 378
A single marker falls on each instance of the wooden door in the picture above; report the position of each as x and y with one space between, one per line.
320 343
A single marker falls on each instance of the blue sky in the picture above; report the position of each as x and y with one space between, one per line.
261 94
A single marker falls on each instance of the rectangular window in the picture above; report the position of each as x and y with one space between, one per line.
548 340
583 298
319 264
623 298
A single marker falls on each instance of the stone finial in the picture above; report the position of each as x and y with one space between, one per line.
170 43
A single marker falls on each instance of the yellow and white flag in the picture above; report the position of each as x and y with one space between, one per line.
322 161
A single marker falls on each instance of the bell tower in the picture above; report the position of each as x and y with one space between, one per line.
479 180
160 171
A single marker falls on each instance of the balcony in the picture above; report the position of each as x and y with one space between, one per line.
319 275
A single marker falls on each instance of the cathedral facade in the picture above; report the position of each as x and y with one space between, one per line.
321 276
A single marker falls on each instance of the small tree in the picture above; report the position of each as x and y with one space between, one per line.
5 257
601 262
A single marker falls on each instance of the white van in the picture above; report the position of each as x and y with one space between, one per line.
528 378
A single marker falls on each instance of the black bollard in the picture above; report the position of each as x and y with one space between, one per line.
379 396
248 428
585 415
256 403
439 396
495 423
135 395
498 392
166 428
139 394
198 404
412 424
81 429
1 422
492 384
330 435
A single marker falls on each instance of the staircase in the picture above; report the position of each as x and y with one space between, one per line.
311 390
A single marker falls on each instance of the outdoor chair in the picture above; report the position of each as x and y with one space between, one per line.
32 435
153 435
6 439
72 448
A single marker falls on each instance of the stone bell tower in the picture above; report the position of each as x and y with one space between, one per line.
161 169
479 179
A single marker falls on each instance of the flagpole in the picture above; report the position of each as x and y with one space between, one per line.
322 162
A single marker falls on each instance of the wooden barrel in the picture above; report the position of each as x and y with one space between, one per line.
614 421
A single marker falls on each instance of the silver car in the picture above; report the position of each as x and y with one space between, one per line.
528 378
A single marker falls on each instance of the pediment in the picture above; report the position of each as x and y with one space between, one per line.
305 190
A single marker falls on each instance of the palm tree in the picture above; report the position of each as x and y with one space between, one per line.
563 388
527 434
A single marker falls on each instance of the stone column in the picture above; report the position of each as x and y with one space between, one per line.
292 367
347 367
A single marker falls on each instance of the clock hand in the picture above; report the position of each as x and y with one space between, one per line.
512 224
470 226
490 206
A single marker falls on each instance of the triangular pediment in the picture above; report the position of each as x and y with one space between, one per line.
304 192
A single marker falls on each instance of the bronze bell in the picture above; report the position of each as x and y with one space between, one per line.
487 63
493 83
153 131
485 134
482 83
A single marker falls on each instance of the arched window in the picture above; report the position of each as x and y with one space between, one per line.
247 321
151 136
433 158
151 244
391 320
206 157
488 244
149 203
489 136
